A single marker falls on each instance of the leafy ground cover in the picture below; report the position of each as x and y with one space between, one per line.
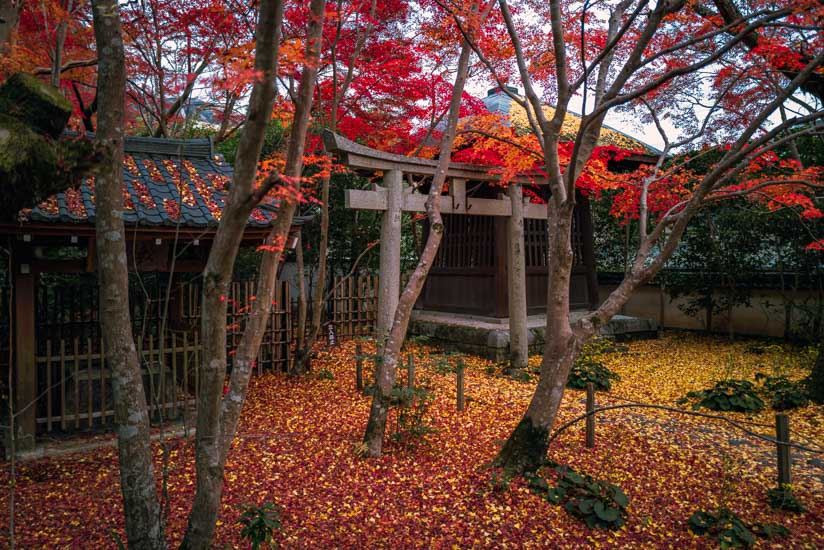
300 436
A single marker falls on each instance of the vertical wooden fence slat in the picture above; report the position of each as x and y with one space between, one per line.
103 407
89 369
150 364
174 395
49 385
76 384
62 384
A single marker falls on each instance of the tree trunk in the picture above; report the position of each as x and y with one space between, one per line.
301 364
144 526
525 449
218 415
516 278
389 352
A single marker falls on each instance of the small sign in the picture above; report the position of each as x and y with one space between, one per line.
331 335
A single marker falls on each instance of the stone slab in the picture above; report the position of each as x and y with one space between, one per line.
489 337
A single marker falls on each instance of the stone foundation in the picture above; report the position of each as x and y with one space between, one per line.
489 337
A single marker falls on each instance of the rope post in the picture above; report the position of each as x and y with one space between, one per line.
411 369
782 440
460 372
590 441
359 368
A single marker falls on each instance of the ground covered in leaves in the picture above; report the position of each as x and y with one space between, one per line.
298 449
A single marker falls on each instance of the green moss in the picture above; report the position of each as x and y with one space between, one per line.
525 450
39 105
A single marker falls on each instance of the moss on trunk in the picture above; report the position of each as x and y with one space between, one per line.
525 450
40 106
34 166
35 162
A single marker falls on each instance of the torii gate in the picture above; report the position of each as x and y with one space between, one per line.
394 197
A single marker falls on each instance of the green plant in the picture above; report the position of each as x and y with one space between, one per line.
440 363
325 374
413 406
730 530
783 393
589 366
783 498
597 502
727 395
260 523
520 375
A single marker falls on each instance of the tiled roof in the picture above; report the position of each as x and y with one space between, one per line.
167 182
499 102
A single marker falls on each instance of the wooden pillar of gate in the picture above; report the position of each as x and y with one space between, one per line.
516 281
390 257
25 368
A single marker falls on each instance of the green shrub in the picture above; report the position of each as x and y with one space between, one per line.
326 374
413 405
783 498
598 503
587 369
259 524
730 530
589 366
727 395
783 393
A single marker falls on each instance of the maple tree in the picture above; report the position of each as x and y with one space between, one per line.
390 343
177 47
656 60
218 411
374 84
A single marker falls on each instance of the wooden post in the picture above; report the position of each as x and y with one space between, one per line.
358 368
587 248
390 258
782 436
590 415
25 369
516 281
460 370
411 370
500 303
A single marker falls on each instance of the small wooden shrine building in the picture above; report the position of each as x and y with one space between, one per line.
174 192
465 300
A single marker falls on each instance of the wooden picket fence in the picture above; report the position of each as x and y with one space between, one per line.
354 306
74 382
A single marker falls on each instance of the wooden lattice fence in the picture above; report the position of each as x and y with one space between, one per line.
74 382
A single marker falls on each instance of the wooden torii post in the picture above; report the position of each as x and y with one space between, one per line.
393 198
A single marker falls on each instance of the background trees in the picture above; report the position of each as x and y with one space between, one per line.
666 62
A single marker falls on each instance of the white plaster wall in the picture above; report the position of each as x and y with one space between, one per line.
764 317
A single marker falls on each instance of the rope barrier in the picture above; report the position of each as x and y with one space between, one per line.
735 424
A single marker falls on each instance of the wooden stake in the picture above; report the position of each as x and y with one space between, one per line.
590 442
411 368
460 385
358 368
782 436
